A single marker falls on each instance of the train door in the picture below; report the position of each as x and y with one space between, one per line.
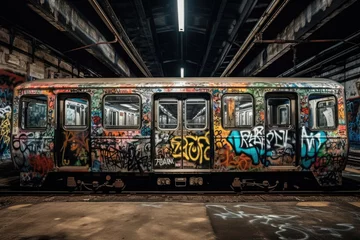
73 130
182 131
281 129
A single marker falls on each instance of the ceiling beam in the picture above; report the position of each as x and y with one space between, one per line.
212 34
308 64
66 18
146 26
246 10
317 13
107 14
265 20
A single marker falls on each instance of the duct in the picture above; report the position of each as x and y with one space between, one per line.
66 18
247 9
314 16
268 12
310 61
124 40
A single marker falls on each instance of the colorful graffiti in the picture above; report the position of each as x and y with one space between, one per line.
280 145
75 148
129 150
7 83
353 116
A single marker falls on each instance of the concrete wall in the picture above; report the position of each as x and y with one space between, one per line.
16 66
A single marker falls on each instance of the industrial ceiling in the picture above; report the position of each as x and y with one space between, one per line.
221 37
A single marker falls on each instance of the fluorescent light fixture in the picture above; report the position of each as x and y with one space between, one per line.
181 15
182 72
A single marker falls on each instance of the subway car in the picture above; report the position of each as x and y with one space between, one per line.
195 134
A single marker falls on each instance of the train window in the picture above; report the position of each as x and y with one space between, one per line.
76 112
195 113
238 110
278 112
33 111
121 111
322 114
168 114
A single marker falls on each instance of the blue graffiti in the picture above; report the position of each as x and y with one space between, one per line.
353 107
252 143
310 144
249 143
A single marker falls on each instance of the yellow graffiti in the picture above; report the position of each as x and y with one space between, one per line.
78 143
5 129
191 148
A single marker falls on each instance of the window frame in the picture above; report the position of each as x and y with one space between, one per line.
21 113
123 127
206 115
223 111
158 114
290 125
76 127
336 119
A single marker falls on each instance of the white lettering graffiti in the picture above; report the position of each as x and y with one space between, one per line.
276 138
164 161
4 111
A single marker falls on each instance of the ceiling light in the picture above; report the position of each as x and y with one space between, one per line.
181 15
182 72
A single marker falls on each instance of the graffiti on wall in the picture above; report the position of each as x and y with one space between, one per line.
352 89
7 83
353 117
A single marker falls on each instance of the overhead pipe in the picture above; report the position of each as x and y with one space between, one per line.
327 60
312 59
262 21
91 45
279 41
66 18
141 65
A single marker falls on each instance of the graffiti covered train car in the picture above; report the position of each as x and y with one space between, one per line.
195 133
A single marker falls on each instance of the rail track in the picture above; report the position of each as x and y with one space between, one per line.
354 159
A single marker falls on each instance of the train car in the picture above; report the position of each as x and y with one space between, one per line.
193 133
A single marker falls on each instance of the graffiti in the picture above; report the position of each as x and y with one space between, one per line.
191 148
353 117
280 145
164 161
7 83
33 156
310 145
120 155
75 149
139 150
5 126
4 112
285 226
41 163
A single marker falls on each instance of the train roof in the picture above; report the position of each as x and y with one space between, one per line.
180 82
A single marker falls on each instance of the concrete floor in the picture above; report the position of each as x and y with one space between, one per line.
173 220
